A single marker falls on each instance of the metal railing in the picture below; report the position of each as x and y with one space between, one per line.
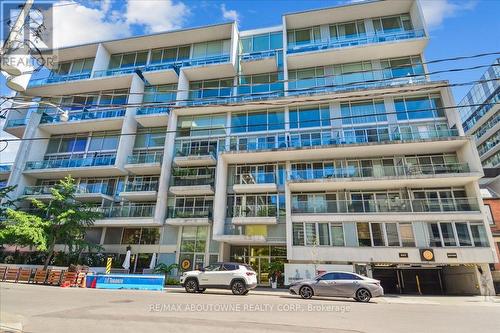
195 150
71 163
253 56
378 171
146 110
194 180
247 178
84 115
97 188
58 78
354 41
116 71
253 211
143 158
16 122
385 206
151 185
207 60
138 210
189 212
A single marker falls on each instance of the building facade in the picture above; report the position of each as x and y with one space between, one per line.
321 143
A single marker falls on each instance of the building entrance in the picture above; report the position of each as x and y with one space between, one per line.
261 258
424 281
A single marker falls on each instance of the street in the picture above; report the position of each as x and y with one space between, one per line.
34 308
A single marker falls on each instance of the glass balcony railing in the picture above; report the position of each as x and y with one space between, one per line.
249 178
195 150
146 110
207 60
254 56
332 43
300 139
196 180
162 66
84 115
254 211
393 205
144 158
16 123
116 71
141 186
58 78
5 168
189 212
272 236
71 163
98 188
377 171
145 210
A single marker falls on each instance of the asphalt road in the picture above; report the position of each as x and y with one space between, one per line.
52 309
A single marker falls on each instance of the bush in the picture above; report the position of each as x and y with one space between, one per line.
173 281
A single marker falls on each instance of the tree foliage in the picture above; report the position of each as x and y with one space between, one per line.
61 220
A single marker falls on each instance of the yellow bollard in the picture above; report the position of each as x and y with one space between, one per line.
108 265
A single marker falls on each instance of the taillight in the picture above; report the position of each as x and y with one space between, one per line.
250 273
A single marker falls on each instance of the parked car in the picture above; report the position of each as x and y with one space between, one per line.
240 278
338 284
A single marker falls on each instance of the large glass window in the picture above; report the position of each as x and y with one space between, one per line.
298 234
410 108
402 67
201 125
310 116
406 232
347 30
363 112
304 36
210 88
265 120
390 24
150 138
211 49
364 237
479 235
263 42
126 60
260 84
104 141
303 79
160 93
170 54
337 234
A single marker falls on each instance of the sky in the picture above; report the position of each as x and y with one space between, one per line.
456 27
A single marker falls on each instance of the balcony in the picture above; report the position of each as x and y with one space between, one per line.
115 72
456 174
132 214
84 192
140 191
254 214
101 166
255 182
16 127
196 154
241 235
259 62
192 185
58 79
85 120
321 52
162 73
151 116
393 205
183 216
352 142
145 163
208 67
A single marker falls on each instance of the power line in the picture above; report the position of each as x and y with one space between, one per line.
283 101
256 133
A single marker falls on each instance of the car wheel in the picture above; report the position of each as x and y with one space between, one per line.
306 292
238 288
363 295
201 290
191 286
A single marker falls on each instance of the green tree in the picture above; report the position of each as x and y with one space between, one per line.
165 269
61 220
6 201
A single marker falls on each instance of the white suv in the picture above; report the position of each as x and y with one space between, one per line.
240 278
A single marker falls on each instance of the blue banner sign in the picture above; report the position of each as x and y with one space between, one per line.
126 281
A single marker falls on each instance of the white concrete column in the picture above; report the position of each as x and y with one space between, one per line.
127 141
182 88
288 214
285 65
325 32
227 139
220 198
166 169
335 115
101 61
390 109
370 30
452 114
234 45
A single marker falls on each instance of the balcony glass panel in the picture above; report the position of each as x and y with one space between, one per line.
83 115
140 186
190 212
72 163
143 158
134 210
16 123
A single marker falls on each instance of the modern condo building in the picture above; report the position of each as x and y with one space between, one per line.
322 143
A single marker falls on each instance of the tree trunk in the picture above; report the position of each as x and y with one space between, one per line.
50 253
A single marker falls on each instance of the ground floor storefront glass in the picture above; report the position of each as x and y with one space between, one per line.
261 258
194 249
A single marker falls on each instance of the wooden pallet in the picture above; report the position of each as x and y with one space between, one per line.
25 275
54 277
40 276
12 274
69 278
3 270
